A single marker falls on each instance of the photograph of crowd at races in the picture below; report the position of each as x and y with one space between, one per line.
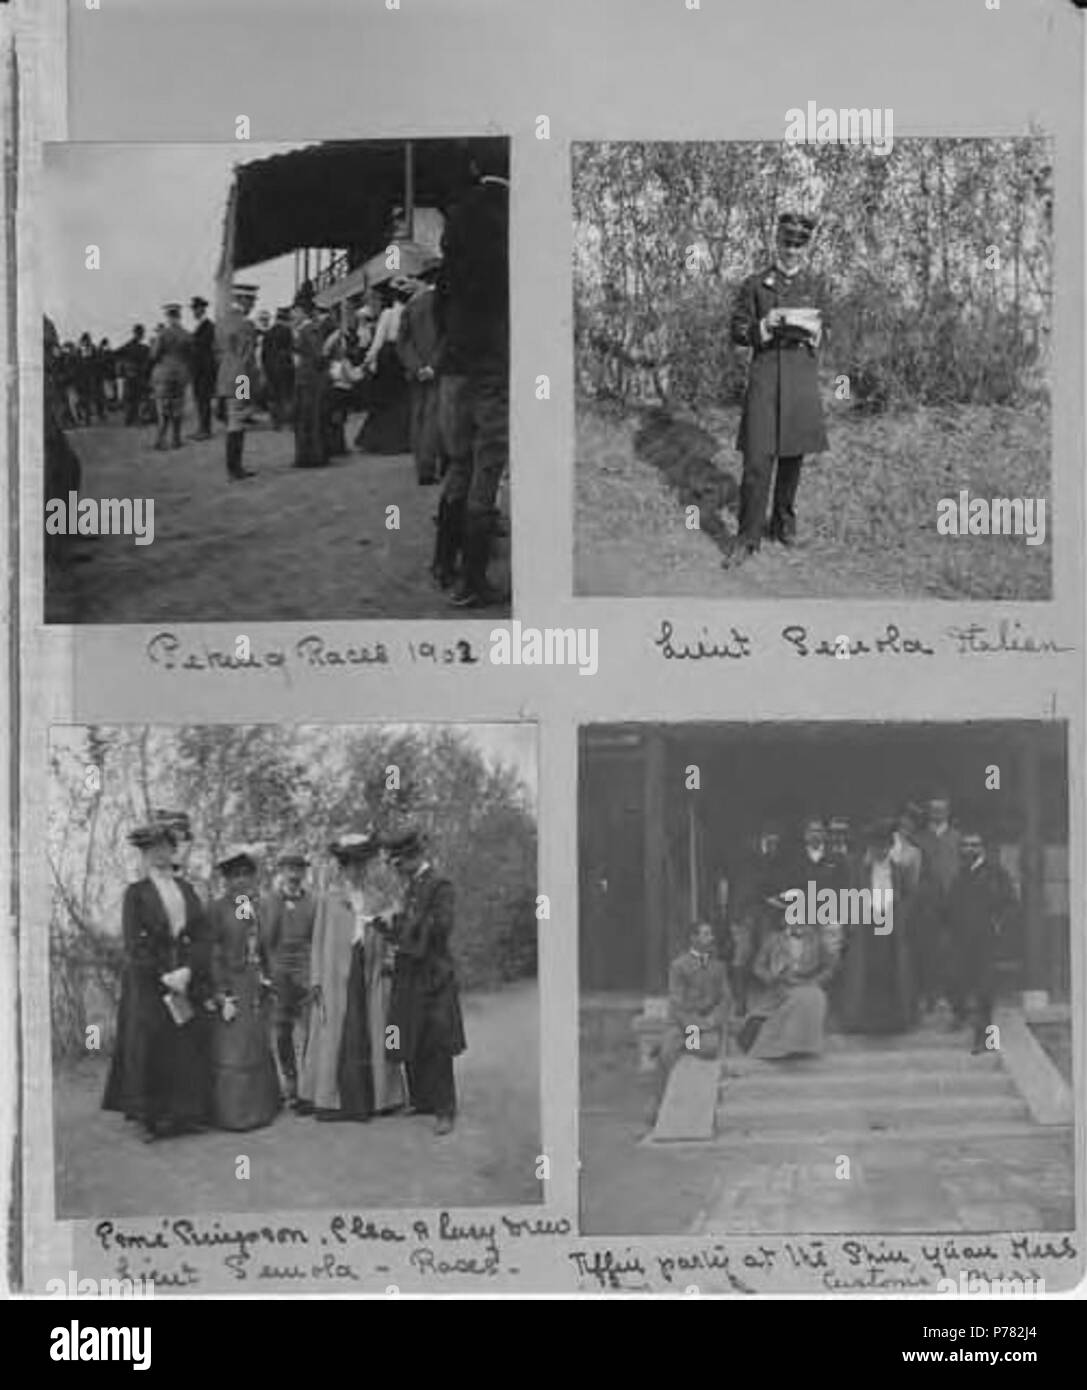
276 387
825 978
311 946
814 369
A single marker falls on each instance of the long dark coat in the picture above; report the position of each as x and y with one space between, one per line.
203 357
160 1069
983 921
783 415
244 1084
425 1001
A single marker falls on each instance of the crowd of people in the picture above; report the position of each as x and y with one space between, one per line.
341 1005
767 984
422 359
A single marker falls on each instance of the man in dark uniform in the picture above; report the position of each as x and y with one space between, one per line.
424 1006
981 907
236 344
286 918
203 365
783 415
135 358
471 308
311 382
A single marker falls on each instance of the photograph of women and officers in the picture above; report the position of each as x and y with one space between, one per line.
328 1007
322 937
771 984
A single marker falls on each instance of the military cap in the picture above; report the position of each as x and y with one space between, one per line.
240 288
237 858
172 307
198 302
355 846
403 845
809 821
156 833
795 229
838 823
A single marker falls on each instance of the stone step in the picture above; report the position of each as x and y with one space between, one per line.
861 1085
930 1060
798 1139
760 1112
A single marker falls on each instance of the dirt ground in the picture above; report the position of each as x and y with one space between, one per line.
290 544
396 1161
866 512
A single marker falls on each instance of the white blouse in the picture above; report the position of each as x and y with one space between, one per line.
173 900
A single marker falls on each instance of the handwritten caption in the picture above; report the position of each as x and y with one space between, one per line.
313 652
890 640
378 1253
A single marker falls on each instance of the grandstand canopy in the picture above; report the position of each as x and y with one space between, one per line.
341 194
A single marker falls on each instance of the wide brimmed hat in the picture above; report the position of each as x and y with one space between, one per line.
355 846
155 833
292 858
403 845
177 821
239 857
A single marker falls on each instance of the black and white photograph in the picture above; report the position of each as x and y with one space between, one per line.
813 370
276 381
293 966
825 978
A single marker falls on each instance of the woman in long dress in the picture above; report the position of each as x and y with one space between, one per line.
159 1070
877 994
244 1082
345 1074
791 972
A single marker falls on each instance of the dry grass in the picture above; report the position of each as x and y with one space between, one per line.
867 511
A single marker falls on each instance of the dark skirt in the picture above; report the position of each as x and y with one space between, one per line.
159 1072
354 1073
387 398
245 1086
310 450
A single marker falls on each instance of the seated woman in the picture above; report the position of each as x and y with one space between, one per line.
790 974
245 1085
345 1074
159 1072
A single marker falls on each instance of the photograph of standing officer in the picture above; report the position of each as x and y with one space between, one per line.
783 415
236 345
